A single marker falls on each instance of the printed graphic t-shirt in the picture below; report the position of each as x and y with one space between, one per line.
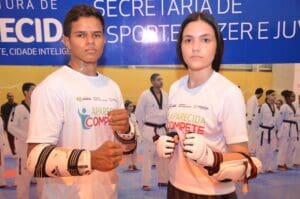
70 109
215 110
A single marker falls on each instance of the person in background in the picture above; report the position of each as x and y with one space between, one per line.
151 114
5 113
131 158
297 153
18 126
267 125
288 131
252 107
278 103
2 158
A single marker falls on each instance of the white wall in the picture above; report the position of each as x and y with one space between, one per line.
296 85
283 77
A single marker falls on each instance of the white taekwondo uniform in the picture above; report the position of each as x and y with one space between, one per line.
18 124
149 113
287 135
2 160
251 111
297 153
132 157
267 121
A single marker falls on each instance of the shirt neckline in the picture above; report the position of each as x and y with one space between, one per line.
81 74
199 87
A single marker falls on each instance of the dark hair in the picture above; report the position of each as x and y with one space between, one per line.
259 91
287 94
208 18
269 92
26 86
78 11
7 94
154 76
127 103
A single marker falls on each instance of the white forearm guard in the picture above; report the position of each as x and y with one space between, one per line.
47 160
237 170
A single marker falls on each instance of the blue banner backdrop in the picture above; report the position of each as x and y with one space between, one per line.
144 32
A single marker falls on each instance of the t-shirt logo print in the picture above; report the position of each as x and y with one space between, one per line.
93 117
83 116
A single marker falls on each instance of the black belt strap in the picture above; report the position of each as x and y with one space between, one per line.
270 128
156 126
292 122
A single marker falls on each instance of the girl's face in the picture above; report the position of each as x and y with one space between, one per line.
271 98
198 45
130 108
278 104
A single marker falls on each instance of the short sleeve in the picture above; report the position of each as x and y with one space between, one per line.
258 116
233 117
46 115
140 108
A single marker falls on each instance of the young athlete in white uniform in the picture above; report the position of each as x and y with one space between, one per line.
18 124
296 160
131 156
151 113
252 107
207 112
267 121
75 113
2 158
288 131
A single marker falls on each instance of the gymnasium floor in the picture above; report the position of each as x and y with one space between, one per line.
280 185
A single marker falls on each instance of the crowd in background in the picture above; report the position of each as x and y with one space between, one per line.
273 129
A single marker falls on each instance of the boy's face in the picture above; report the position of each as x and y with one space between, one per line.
10 97
293 97
259 95
31 90
158 82
86 40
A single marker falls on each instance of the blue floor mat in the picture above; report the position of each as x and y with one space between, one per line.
279 185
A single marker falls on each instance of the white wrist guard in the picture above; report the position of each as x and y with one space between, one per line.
128 140
47 160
